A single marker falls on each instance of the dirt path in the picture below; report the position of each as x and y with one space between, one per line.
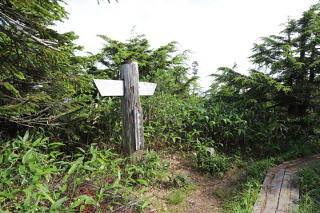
207 192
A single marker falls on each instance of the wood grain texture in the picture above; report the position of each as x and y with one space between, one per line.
274 192
265 188
285 193
132 116
294 194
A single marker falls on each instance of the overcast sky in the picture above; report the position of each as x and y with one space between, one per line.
218 32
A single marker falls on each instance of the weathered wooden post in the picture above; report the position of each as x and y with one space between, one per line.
132 117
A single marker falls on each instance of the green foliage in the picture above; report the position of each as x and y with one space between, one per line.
179 180
271 114
36 175
309 189
162 129
98 120
276 104
247 191
176 197
41 77
245 199
246 112
292 59
258 169
222 125
27 168
151 170
213 163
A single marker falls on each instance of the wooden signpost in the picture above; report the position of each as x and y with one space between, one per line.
130 89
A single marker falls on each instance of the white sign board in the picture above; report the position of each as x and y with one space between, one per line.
115 87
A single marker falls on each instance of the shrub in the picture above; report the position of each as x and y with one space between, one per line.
35 176
309 179
213 163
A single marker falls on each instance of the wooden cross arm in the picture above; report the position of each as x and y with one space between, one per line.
115 87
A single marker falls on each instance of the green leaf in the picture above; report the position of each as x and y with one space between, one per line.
81 198
36 142
145 204
19 75
143 182
59 203
117 181
73 168
27 157
56 144
65 178
25 137
64 187
45 191
11 88
22 169
75 165
77 203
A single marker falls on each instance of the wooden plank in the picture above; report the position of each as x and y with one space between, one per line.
269 177
294 195
285 201
115 87
284 198
261 201
273 194
256 209
132 131
268 211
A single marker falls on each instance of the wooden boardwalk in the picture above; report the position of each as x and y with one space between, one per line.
280 192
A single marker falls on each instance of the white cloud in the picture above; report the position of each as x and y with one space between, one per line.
218 32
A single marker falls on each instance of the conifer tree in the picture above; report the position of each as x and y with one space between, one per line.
38 65
293 59
288 73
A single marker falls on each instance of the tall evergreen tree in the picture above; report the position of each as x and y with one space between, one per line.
288 73
293 59
279 100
